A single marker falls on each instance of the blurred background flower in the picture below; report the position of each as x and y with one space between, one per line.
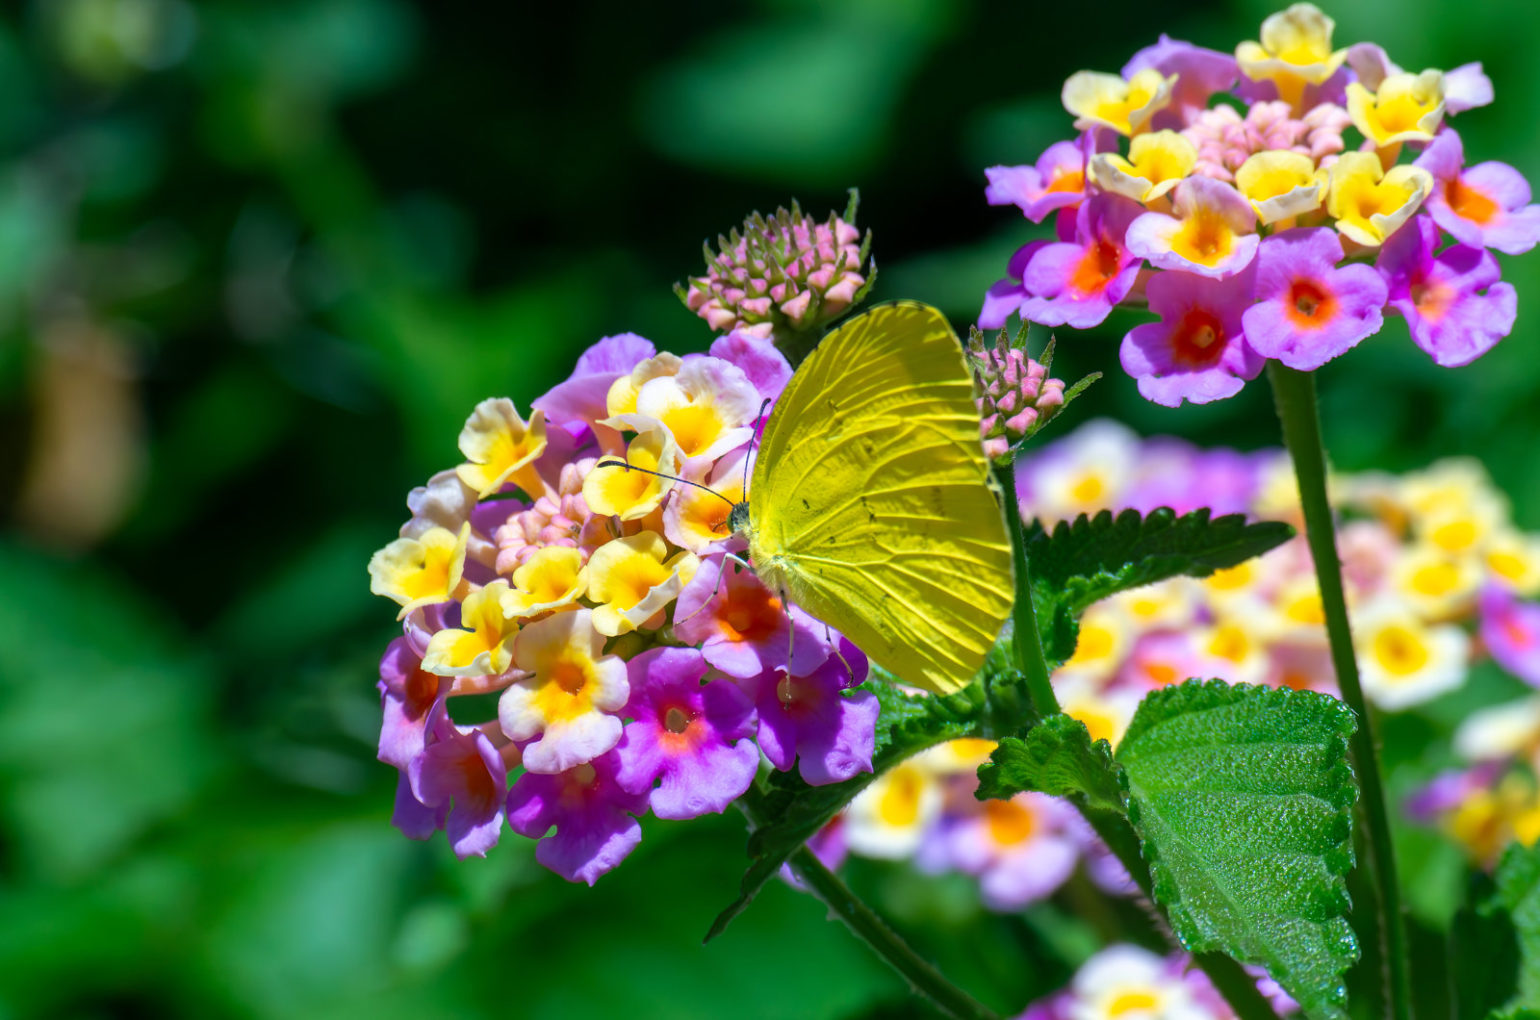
259 260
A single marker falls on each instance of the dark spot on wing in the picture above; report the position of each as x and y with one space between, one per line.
806 505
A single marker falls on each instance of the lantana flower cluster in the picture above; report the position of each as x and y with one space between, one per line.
638 665
1437 577
1225 192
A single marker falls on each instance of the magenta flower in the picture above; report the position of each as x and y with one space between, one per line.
411 698
1198 350
467 769
1484 206
1057 181
580 401
1199 74
808 719
697 739
1308 309
1076 283
1212 231
1510 629
741 626
592 814
1453 302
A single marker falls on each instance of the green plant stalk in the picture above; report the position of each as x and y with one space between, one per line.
1238 988
1026 638
1294 394
920 974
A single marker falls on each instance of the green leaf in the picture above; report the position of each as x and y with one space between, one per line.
1056 757
1242 797
1518 893
1481 952
790 811
1091 558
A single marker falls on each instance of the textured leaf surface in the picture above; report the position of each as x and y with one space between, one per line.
1056 757
1518 893
791 811
1242 797
1083 561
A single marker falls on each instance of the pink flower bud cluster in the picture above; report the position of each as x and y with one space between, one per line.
1016 394
558 519
782 275
1225 140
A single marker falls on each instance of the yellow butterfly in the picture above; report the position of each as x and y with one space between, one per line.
871 505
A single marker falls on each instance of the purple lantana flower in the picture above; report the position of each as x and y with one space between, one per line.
577 403
1309 310
1510 629
763 363
808 719
1484 206
741 626
467 769
1022 849
411 697
592 814
1198 350
696 739
1453 302
1057 181
1199 74
1076 283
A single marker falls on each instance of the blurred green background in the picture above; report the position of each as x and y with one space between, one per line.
258 261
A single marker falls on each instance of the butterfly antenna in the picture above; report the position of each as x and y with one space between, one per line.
759 430
659 474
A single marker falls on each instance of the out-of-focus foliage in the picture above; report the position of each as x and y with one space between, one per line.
258 260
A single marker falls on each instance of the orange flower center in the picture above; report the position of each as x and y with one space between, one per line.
1470 204
1096 268
1309 306
1198 340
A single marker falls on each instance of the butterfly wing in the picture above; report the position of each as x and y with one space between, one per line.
871 503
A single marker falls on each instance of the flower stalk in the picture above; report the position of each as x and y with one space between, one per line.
1295 395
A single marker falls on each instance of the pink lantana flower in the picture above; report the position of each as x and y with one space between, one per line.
1484 206
1309 310
1453 302
592 814
1211 232
1198 349
1510 629
1076 283
808 719
465 768
697 739
741 626
1057 181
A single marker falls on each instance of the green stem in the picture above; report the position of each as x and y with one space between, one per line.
921 974
1294 393
1028 640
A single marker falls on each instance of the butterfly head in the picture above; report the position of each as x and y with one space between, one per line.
738 519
